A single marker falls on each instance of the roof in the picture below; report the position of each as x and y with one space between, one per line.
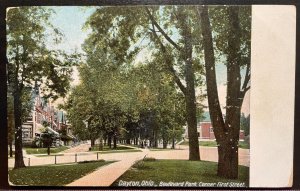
205 117
61 115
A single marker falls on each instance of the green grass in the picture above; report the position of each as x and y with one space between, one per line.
106 148
161 149
52 175
242 144
100 152
119 151
45 155
157 171
44 150
136 146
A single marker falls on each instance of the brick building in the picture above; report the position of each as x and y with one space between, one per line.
205 129
42 110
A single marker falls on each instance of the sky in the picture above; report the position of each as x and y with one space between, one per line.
70 21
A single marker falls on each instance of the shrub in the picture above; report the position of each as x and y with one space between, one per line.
89 161
139 164
149 159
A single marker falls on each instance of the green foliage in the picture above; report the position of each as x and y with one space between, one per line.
47 137
116 97
29 58
220 27
245 124
31 62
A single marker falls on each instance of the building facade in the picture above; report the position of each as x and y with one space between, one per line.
205 129
43 111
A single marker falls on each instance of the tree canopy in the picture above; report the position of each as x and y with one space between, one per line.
30 62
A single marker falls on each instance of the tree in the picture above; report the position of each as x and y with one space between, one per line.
10 123
29 61
245 124
47 137
238 37
127 27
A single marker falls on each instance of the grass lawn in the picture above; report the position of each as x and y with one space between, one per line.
51 154
52 175
106 148
153 172
161 149
119 151
242 144
44 150
136 146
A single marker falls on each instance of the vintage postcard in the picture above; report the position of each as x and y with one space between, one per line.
151 96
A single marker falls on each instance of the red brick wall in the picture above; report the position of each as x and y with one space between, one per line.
206 134
205 130
242 135
212 135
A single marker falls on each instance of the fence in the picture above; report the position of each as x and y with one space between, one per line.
57 158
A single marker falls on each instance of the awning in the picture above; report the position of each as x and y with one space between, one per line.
50 129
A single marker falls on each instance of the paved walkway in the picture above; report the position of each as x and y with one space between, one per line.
79 148
106 175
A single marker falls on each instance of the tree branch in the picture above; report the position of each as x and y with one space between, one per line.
247 77
168 62
161 30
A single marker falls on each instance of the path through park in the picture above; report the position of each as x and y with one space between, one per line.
106 175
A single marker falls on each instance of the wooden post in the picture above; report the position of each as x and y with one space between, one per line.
55 158
28 161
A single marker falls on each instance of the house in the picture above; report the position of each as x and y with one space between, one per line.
42 111
205 129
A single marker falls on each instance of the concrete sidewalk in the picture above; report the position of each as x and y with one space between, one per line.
106 175
79 148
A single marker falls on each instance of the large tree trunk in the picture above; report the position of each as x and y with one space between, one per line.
10 150
115 141
19 161
105 140
155 141
173 143
48 150
92 142
189 90
233 101
228 159
227 133
190 97
101 142
165 143
109 141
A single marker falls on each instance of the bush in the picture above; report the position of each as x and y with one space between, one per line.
149 159
139 164
89 161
